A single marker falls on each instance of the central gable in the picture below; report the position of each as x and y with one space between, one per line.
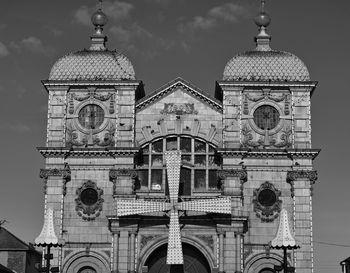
178 108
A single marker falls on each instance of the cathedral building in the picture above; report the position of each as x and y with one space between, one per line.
178 180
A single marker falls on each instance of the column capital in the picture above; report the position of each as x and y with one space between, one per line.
65 173
310 175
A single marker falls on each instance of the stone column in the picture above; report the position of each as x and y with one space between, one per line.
221 251
239 254
132 251
115 251
301 185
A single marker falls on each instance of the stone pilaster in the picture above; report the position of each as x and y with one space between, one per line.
56 116
301 182
126 116
115 251
55 181
232 97
123 254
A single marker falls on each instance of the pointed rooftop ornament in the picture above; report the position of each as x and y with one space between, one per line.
98 39
47 236
284 238
263 20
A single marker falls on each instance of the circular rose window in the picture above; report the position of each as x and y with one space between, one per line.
266 117
267 198
91 116
89 197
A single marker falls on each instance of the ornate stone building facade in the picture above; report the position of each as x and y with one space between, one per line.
250 143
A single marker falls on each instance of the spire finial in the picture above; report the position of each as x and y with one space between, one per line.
263 20
99 20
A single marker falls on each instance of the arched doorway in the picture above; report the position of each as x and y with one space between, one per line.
194 261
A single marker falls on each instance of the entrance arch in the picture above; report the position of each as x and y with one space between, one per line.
194 261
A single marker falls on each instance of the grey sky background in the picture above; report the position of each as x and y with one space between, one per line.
165 39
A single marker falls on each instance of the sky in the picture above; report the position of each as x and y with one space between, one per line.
166 39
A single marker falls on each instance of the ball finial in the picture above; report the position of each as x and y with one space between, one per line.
263 18
99 18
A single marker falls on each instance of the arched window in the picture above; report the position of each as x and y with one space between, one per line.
198 170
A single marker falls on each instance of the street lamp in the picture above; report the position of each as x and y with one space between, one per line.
284 240
48 239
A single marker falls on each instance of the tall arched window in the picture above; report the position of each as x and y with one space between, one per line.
198 170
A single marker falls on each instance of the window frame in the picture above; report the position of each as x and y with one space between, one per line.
148 154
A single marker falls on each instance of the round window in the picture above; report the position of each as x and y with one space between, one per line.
89 196
266 117
267 198
91 116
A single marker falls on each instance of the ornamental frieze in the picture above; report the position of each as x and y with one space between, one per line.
179 109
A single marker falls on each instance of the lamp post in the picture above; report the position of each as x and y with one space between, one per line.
284 240
48 239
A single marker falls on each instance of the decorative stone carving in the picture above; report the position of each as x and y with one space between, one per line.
267 203
65 173
115 173
241 174
72 138
89 139
301 174
91 208
267 96
266 141
108 140
92 95
208 240
179 109
145 239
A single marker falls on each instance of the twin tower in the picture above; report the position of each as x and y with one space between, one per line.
246 154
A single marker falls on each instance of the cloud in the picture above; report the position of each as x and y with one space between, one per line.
133 35
229 12
115 11
3 50
35 45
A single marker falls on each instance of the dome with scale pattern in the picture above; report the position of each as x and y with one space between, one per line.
93 65
266 65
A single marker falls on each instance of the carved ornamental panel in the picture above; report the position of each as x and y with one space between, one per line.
89 201
267 202
91 118
266 119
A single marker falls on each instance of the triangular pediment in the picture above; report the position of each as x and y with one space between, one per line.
174 86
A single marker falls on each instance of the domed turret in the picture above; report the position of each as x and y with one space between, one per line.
95 63
263 63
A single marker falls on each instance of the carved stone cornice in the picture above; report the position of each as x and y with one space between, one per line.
65 173
106 152
115 173
293 175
